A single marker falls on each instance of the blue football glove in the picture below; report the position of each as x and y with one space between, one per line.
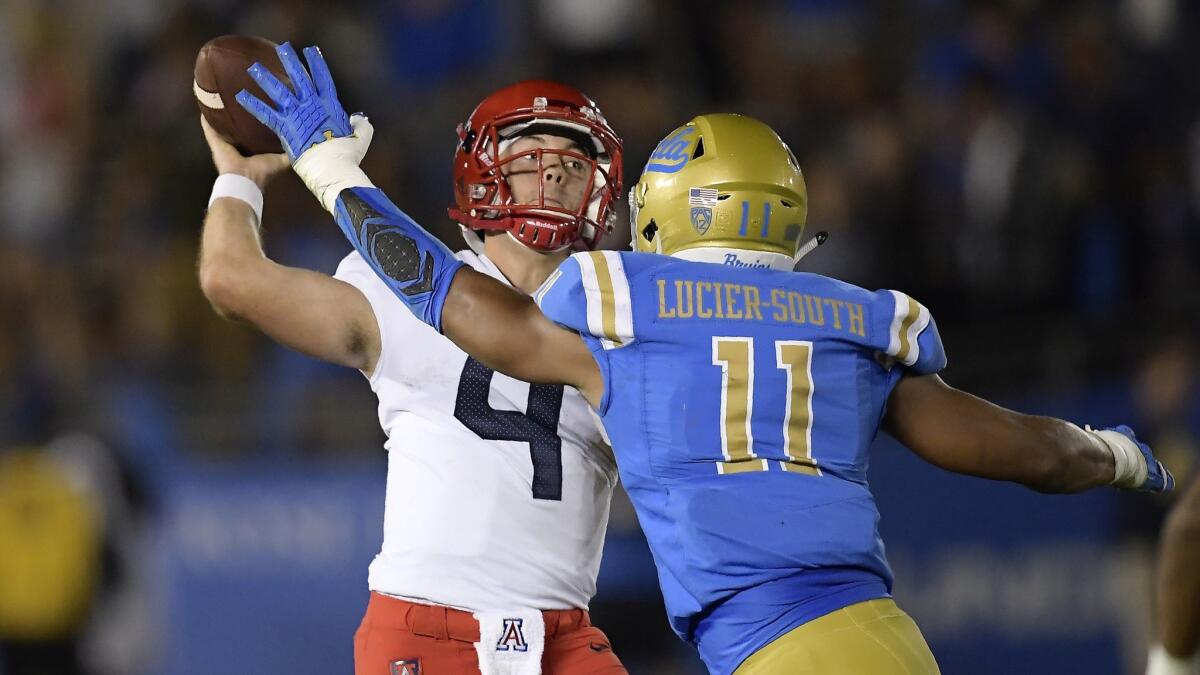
325 148
305 115
1136 467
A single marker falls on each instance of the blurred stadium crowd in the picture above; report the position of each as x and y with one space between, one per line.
1029 169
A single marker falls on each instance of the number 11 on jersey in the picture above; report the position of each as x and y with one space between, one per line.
735 357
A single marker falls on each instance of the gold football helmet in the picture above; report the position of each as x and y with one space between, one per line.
720 182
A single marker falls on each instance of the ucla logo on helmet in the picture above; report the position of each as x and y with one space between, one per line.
702 217
673 153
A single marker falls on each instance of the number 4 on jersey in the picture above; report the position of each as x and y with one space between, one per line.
537 426
735 357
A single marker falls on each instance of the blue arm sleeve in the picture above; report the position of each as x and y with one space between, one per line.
413 263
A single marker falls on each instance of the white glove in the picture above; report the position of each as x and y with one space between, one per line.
331 166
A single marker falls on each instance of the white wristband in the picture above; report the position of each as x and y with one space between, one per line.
1129 465
238 187
329 167
1162 663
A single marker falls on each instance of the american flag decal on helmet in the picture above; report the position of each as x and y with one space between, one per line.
702 196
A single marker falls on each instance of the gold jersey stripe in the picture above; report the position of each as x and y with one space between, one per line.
752 464
806 467
608 305
914 311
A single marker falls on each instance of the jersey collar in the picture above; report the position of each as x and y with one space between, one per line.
737 257
482 263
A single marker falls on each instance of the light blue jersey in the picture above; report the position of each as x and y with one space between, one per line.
741 404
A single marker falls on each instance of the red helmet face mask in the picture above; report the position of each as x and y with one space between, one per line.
484 199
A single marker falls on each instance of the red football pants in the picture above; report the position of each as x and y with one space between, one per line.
406 638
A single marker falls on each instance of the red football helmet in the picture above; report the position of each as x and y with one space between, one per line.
482 195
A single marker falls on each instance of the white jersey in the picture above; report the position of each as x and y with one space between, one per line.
497 490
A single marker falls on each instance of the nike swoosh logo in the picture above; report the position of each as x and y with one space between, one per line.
597 647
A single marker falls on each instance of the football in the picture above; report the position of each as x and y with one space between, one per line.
220 74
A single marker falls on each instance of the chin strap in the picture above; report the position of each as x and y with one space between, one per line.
809 246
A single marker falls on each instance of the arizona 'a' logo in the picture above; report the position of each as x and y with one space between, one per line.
512 638
406 667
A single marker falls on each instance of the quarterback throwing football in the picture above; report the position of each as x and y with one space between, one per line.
497 490
741 397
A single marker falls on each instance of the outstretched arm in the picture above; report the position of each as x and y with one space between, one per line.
493 323
497 325
966 434
506 331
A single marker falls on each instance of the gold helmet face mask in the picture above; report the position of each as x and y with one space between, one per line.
721 188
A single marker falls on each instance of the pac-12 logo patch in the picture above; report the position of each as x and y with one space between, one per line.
512 637
406 667
701 218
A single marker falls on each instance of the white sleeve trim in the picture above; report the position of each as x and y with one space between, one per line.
909 319
606 290
622 296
